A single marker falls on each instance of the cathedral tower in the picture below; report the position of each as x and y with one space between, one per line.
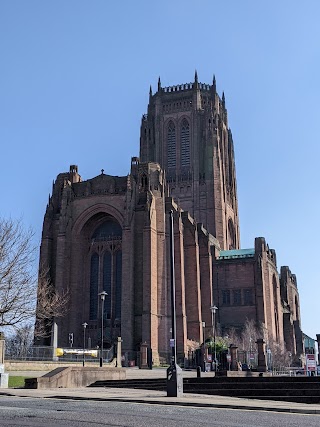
186 132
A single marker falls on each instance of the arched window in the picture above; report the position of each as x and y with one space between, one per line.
276 314
171 145
296 307
107 229
231 235
185 143
118 280
94 281
107 284
106 273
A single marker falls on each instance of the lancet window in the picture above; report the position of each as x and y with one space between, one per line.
185 143
171 145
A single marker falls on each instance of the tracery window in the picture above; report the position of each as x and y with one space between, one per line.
171 145
94 282
232 237
106 270
185 143
276 314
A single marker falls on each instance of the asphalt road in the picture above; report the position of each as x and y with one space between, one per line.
20 412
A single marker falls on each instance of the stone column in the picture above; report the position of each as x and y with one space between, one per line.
119 364
234 357
262 363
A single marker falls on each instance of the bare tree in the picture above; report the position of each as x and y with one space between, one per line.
50 304
19 299
251 332
19 344
17 284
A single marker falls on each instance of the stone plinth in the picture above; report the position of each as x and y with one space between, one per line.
262 362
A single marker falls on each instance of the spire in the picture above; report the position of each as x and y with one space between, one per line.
150 92
214 85
159 84
195 84
223 99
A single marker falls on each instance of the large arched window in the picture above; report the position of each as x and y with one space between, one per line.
94 285
106 272
171 145
276 313
185 143
231 235
296 307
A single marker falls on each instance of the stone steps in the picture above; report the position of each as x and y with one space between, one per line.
303 390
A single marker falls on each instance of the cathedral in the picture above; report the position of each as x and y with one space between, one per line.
111 233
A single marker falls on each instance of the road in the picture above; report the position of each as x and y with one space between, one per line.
20 412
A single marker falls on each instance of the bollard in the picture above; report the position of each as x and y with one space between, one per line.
198 371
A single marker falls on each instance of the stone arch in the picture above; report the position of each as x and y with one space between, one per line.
98 209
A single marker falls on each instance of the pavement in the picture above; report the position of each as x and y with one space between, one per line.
160 398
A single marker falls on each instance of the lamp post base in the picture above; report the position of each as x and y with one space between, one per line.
174 381
101 362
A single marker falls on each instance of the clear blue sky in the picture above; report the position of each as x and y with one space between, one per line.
74 82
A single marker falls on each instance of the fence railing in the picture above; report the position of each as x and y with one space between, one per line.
66 354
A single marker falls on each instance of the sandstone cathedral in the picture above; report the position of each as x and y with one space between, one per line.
111 233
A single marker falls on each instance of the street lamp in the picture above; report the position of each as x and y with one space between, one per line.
214 309
204 346
84 340
103 295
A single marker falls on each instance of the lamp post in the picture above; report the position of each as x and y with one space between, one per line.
204 346
214 309
103 295
84 340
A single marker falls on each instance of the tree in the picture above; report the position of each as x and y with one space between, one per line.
50 304
18 345
18 282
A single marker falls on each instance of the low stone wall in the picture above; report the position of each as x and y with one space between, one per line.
73 377
17 365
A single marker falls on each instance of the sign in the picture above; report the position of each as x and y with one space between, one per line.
209 358
172 342
229 358
311 363
77 352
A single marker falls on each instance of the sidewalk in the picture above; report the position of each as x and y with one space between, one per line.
160 398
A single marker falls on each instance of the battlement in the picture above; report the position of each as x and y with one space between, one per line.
185 86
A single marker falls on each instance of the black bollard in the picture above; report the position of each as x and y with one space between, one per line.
198 371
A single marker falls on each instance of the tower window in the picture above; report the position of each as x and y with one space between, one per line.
171 145
248 297
226 297
237 297
185 143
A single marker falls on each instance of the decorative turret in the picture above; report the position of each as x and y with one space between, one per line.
159 84
196 82
214 85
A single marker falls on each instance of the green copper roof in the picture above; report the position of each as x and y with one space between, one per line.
236 253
